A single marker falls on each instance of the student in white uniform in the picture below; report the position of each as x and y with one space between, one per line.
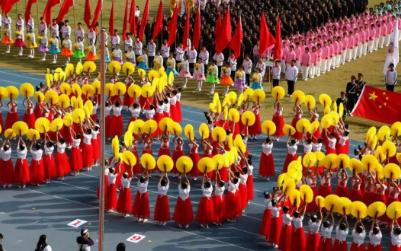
42 244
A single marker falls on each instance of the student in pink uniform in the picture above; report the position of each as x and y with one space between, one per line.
305 64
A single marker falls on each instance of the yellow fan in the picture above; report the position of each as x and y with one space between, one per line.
42 125
356 166
67 120
78 115
396 129
295 198
239 143
189 132
330 201
331 161
204 131
320 201
392 171
153 74
69 70
39 97
219 134
319 157
89 66
134 91
303 125
258 96
79 68
137 126
369 161
376 209
233 115
184 164
141 73
389 149
56 125
248 118
359 210
306 193
268 127
109 89
147 91
128 68
370 133
393 210
115 145
165 163
27 90
119 89
76 90
206 165
344 160
150 126
65 88
288 185
220 161
96 86
278 92
3 92
114 67
325 100
309 160
51 97
310 102
343 206
88 90
129 158
384 133
20 128
12 92
289 130
32 134
176 128
148 161
164 124
298 97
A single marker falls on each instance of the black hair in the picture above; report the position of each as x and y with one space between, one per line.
42 243
313 218
96 128
221 183
77 136
207 184
343 226
359 229
245 170
319 140
160 103
250 159
120 247
49 144
111 170
88 131
346 133
235 181
297 214
236 174
151 107
326 224
376 230
21 147
6 147
38 146
135 105
184 185
309 141
125 175
274 203
397 231
292 142
165 101
61 140
164 182
285 209
267 195
117 104
142 179
268 140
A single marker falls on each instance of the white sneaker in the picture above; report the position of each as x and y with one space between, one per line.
43 59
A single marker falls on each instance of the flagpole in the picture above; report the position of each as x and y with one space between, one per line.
102 138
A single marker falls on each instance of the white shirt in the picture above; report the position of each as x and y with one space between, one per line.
165 51
31 23
391 77
61 147
5 155
192 55
267 148
292 149
22 154
332 143
115 40
37 154
232 188
76 142
43 29
326 232
307 148
138 48
219 191
111 178
92 37
358 238
143 187
313 227
291 73
162 190
49 150
395 239
151 49
117 110
204 56
207 192
276 71
297 222
54 29
233 63
375 239
48 248
219 58
184 193
341 235
65 30
179 54
316 147
87 139
135 112
247 65
287 219
126 182
21 23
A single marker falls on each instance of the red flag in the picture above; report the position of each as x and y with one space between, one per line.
64 9
47 13
132 18
224 33
278 46
7 5
217 26
125 20
236 42
144 21
186 29
172 26
96 14
87 13
266 39
28 9
378 105
197 29
111 19
158 26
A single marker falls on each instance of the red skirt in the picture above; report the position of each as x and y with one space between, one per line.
96 150
50 166
275 230
141 208
164 151
313 242
128 101
249 188
174 113
37 170
219 208
298 135
66 133
266 165
243 193
22 174
266 222
162 209
374 248
63 165
205 213
340 245
395 248
108 131
342 191
179 111
286 238
12 117
233 205
330 150
7 172
111 198
326 244
223 174
30 118
159 116
299 240
195 157
356 247
117 126
278 120
256 128
177 154
356 194
324 190
288 159
124 201
76 159
183 214
87 155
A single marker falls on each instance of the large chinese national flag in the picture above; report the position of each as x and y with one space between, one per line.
378 105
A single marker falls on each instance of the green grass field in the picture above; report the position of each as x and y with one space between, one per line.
332 83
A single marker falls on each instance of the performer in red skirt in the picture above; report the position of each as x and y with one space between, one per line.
219 202
108 109
297 116
7 177
343 143
12 115
342 178
125 198
111 199
135 111
63 167
206 214
395 237
173 107
96 144
326 242
22 174
183 213
147 145
232 198
267 216
242 189
178 104
375 238
87 150
256 128
276 225
313 236
141 207
29 116
286 231
340 243
162 208
116 128
358 237
266 162
356 192
195 157
278 119
298 239
178 152
37 169
292 148
325 184
159 111
164 147
49 162
331 144
1 114
76 155
249 181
